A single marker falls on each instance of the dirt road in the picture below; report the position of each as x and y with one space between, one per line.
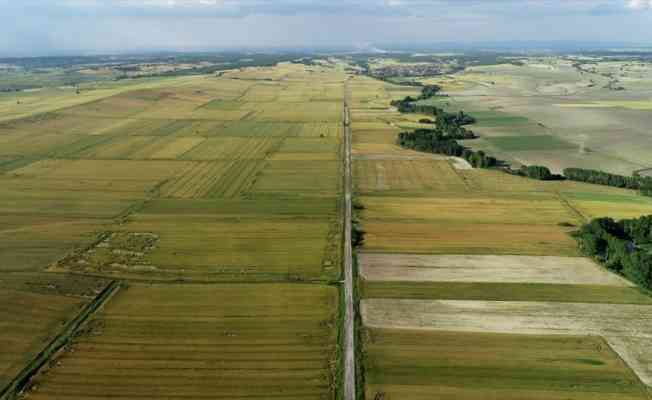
349 326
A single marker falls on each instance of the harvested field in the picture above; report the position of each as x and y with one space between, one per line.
180 341
105 174
415 175
485 268
541 211
628 324
317 178
259 128
31 244
177 148
199 180
234 148
614 206
425 237
419 365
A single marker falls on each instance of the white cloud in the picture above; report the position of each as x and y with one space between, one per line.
639 4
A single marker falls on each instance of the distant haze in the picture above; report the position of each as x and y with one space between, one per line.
46 27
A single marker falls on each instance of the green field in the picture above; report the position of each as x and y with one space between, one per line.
504 292
404 364
195 340
185 146
530 143
34 310
200 179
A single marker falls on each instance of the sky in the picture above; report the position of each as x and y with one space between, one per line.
49 27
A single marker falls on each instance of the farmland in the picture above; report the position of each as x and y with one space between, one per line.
184 341
186 145
224 192
214 205
33 309
558 111
408 364
471 285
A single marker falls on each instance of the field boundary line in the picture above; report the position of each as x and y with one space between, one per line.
570 207
57 344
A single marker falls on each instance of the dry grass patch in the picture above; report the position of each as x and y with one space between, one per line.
414 175
467 238
485 268
471 211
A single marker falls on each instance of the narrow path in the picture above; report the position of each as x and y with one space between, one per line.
349 334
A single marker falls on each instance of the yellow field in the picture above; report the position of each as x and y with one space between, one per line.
406 175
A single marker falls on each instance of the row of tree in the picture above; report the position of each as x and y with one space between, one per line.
536 172
434 141
641 183
622 246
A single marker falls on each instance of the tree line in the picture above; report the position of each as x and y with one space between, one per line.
640 183
622 246
438 142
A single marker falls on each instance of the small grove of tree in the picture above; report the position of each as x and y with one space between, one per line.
357 235
433 141
537 172
622 246
643 184
429 91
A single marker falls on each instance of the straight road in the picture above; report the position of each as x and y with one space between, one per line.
349 323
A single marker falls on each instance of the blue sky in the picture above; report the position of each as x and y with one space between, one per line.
35 27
